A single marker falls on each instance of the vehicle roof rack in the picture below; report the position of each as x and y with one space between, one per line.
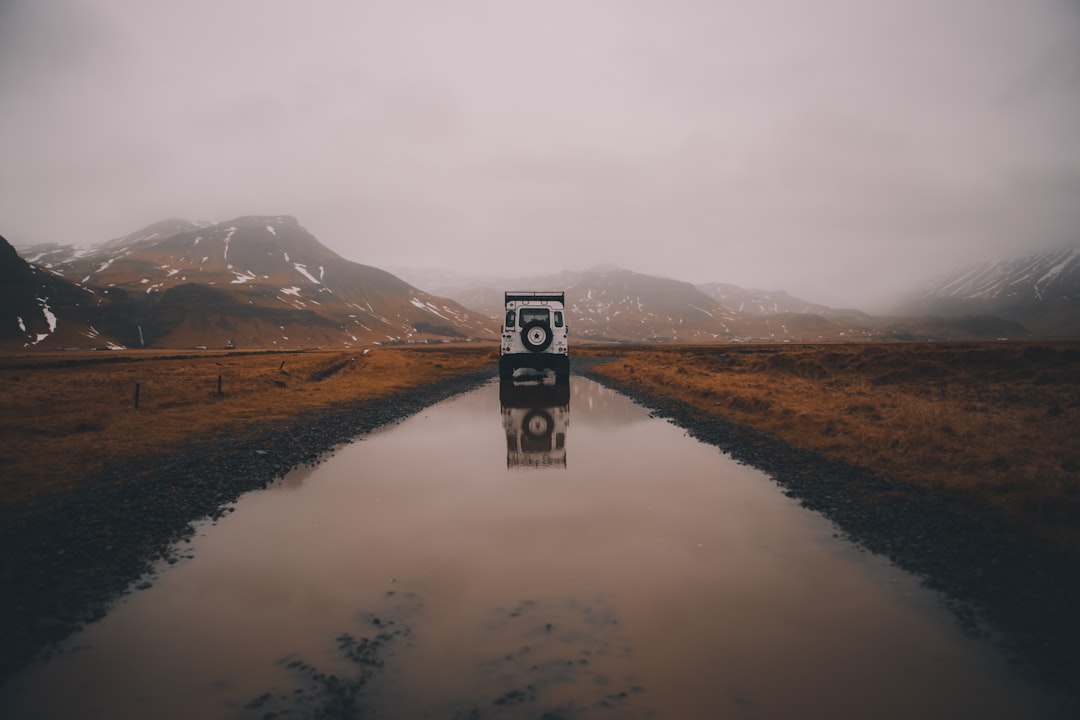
536 297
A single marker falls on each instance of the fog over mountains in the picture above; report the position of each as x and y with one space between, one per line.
608 303
1041 291
837 150
266 282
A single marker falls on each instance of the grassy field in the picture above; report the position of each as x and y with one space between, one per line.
68 415
998 423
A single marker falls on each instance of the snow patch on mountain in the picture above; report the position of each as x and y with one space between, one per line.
1039 277
302 269
50 318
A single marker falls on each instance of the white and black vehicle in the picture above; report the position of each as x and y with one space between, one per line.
534 334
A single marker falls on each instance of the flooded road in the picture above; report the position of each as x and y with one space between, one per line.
546 553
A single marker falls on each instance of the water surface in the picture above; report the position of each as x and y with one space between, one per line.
559 554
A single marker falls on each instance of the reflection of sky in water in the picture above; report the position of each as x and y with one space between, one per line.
650 575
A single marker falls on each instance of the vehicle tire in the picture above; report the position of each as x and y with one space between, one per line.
536 336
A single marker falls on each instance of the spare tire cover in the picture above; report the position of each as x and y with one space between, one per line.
536 336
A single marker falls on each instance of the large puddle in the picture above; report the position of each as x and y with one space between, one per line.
549 554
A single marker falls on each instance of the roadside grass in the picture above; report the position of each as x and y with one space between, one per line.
995 423
67 416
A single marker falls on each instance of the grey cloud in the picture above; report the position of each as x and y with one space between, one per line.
840 151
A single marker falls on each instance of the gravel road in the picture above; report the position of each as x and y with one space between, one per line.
66 561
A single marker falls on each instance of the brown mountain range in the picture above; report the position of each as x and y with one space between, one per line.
264 281
40 309
613 304
261 281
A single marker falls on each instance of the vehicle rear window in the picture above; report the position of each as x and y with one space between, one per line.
529 315
509 318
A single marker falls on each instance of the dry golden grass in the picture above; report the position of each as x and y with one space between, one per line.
67 415
997 422
994 422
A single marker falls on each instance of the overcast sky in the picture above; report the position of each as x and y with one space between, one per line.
837 149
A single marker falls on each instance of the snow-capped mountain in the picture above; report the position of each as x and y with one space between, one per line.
39 309
604 303
264 281
482 293
759 303
1041 291
625 305
254 281
610 303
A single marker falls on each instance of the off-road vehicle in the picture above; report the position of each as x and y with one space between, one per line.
534 334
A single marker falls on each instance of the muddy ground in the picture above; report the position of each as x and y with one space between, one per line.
64 562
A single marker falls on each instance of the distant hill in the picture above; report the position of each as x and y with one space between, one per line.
624 305
760 303
1040 291
608 303
258 281
604 303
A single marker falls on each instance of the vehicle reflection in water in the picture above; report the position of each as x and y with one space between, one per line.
536 416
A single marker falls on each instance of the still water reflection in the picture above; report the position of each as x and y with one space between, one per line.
415 575
536 418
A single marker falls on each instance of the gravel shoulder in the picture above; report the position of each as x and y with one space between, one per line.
64 562
998 581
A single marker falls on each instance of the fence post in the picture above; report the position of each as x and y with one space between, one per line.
219 385
136 395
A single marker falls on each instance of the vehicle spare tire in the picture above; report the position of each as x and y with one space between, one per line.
536 336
